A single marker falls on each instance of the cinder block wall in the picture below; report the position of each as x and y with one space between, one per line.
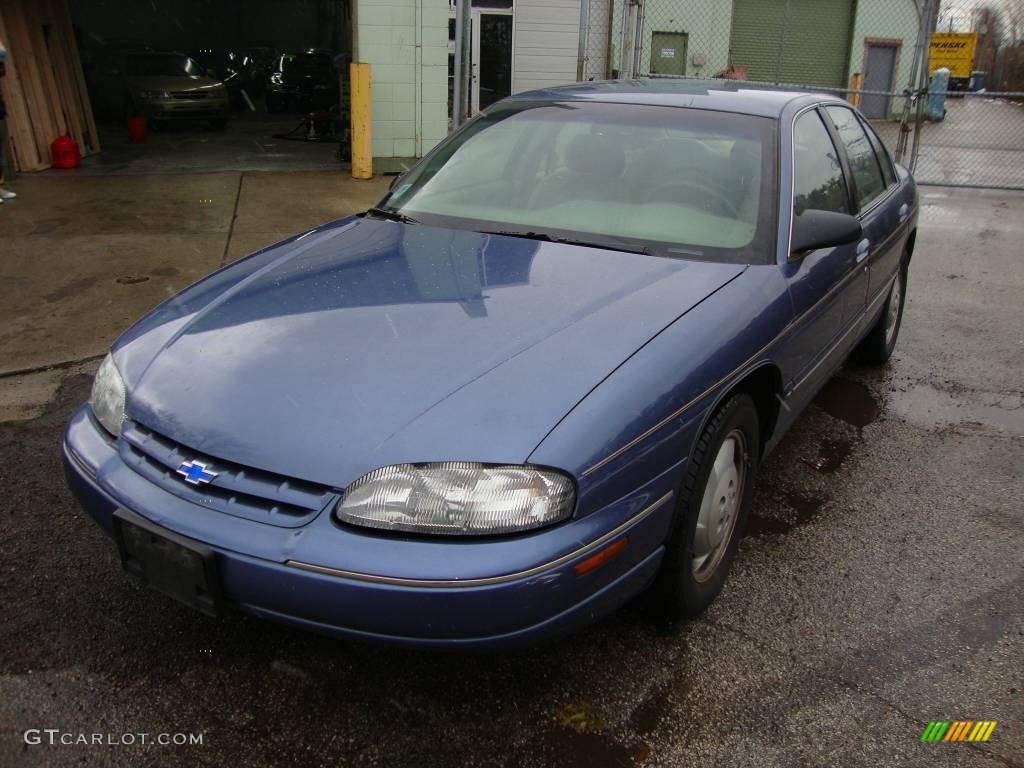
406 44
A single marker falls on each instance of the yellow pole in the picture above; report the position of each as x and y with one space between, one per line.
856 83
362 154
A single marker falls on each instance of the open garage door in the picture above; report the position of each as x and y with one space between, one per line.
193 85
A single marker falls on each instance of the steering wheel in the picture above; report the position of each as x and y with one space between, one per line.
663 191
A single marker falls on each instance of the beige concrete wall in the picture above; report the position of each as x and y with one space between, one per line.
406 44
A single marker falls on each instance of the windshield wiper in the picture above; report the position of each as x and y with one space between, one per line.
609 245
392 215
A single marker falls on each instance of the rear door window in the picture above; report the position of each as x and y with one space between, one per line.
867 173
883 155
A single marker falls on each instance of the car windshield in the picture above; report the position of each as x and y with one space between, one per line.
161 65
671 181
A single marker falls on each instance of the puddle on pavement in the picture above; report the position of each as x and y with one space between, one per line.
831 454
927 406
651 711
71 289
47 226
581 740
803 506
848 401
593 750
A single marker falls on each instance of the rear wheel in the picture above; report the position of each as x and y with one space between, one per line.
876 348
712 511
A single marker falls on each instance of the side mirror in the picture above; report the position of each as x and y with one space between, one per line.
815 229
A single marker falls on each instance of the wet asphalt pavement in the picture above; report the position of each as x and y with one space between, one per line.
879 587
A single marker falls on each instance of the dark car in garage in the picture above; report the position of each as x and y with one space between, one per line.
299 82
235 70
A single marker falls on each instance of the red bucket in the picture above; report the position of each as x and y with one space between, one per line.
137 130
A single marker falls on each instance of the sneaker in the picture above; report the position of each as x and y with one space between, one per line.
6 194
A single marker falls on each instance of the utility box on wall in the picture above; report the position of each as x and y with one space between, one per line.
406 44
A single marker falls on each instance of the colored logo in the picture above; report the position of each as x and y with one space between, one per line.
958 730
195 472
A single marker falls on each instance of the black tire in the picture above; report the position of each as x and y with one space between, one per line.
876 348
679 591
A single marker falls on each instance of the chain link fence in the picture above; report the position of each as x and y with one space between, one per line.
878 54
971 127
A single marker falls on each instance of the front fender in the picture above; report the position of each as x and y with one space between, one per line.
646 415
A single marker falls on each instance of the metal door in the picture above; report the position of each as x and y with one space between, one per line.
804 42
668 53
879 71
491 48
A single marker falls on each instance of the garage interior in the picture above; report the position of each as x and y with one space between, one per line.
101 71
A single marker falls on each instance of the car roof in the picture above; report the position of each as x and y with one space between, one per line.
721 95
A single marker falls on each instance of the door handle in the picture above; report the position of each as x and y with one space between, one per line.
863 248
904 212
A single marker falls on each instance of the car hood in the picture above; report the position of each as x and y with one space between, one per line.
172 84
369 342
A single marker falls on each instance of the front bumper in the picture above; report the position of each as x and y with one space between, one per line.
181 109
343 582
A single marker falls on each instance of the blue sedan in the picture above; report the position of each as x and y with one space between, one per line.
536 380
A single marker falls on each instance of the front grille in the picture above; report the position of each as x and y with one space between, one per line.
191 94
237 490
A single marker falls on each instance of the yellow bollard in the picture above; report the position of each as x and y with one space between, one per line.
856 83
362 152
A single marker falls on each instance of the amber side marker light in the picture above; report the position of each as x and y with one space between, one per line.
602 557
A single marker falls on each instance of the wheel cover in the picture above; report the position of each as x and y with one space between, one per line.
892 313
720 505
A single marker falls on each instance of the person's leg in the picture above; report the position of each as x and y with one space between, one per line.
3 149
5 194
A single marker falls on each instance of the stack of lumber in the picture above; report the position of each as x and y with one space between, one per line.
44 89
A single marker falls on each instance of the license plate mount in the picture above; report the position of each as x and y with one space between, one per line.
175 565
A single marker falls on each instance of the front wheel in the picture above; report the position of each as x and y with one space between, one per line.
877 347
712 511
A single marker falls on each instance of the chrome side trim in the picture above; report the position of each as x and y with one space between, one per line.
679 412
489 580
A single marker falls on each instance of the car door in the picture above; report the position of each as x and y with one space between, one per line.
892 215
873 184
827 285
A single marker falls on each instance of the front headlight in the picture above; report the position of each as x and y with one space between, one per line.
457 498
107 399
